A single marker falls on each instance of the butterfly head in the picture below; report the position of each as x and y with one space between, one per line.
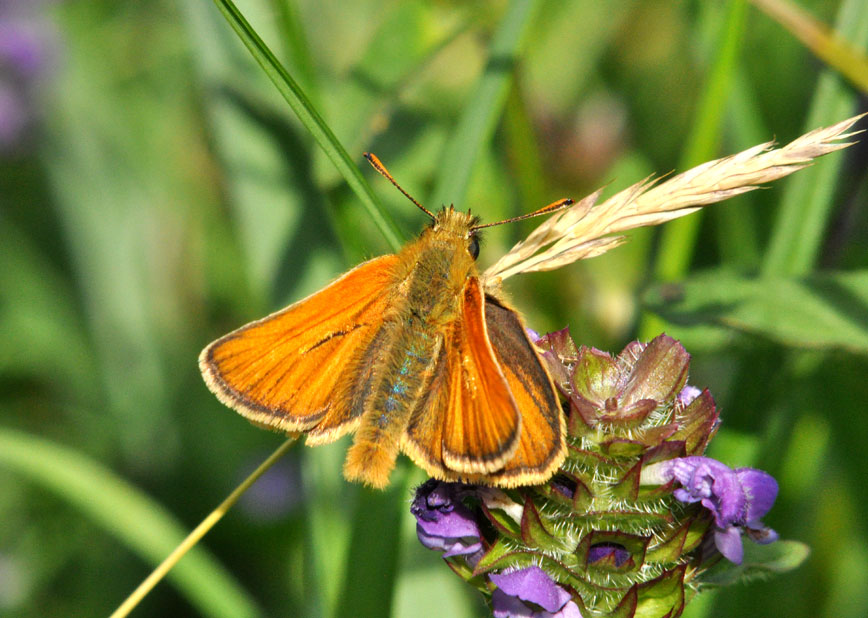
456 227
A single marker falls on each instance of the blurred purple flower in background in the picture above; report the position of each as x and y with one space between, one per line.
13 116
531 592
27 49
277 492
738 499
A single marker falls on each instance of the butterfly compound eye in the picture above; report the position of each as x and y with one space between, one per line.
473 246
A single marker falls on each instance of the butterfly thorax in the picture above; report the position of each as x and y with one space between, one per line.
436 267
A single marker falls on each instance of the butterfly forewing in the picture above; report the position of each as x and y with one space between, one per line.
288 370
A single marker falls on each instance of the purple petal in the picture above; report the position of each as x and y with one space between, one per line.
506 606
738 499
728 543
450 546
711 482
439 512
563 485
761 490
687 395
458 523
534 585
728 500
443 522
570 610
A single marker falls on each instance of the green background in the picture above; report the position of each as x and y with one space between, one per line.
166 193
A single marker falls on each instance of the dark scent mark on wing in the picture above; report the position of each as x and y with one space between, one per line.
330 336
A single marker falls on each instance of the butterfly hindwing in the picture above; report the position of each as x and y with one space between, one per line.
542 447
287 371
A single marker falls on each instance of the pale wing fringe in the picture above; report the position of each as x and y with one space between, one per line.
586 230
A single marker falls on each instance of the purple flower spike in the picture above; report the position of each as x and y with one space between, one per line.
531 593
738 499
442 521
27 47
13 116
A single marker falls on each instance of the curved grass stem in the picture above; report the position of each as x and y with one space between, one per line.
198 532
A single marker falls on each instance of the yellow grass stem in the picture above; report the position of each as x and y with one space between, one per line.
198 532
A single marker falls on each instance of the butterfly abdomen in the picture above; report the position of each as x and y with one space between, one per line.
403 371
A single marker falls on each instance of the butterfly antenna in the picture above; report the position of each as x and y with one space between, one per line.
373 160
545 210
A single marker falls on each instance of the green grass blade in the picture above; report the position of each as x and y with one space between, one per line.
480 116
144 526
836 52
39 311
311 119
279 212
99 170
382 77
372 561
297 48
823 311
807 202
678 239
737 224
525 159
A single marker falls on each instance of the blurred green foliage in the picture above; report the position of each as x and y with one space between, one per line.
164 193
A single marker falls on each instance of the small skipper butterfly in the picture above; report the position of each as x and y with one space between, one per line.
413 353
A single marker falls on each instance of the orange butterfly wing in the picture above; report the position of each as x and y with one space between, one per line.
290 370
467 422
542 446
